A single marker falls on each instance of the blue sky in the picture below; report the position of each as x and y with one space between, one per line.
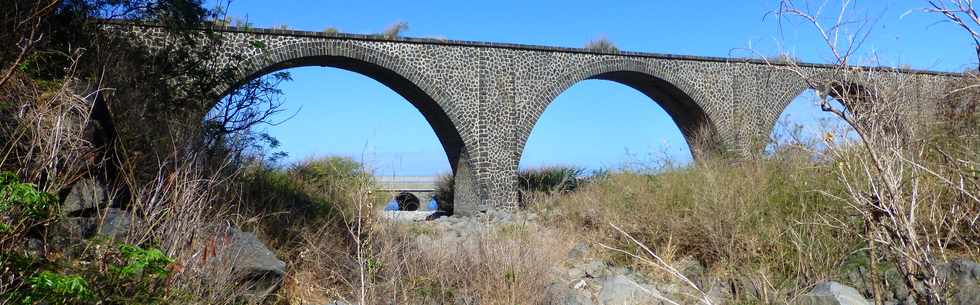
344 113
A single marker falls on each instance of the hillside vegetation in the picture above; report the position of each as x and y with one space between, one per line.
121 185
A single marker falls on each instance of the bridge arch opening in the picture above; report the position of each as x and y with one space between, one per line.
679 119
803 128
597 125
422 99
372 70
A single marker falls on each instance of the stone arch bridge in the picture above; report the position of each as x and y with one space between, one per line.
482 99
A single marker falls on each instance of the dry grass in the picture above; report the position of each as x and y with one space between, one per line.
496 265
389 262
395 30
764 220
601 44
44 129
913 209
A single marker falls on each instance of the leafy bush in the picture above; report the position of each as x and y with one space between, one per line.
330 179
127 274
51 288
21 205
135 275
311 190
143 262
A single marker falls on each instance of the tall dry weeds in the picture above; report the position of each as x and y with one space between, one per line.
493 265
760 225
45 129
901 197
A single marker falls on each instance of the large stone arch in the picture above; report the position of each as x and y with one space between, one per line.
767 119
430 100
680 99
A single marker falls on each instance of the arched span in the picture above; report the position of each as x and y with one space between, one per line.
390 71
676 96
831 83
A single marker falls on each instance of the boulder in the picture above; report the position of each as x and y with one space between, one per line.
252 263
967 295
961 272
78 228
623 290
964 276
85 195
562 295
115 224
595 268
579 251
832 293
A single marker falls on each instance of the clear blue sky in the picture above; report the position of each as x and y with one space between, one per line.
344 113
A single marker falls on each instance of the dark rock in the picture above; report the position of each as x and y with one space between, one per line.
964 275
437 214
35 247
85 195
78 228
115 224
962 271
252 263
967 295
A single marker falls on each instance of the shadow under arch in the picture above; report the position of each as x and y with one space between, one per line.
676 96
389 71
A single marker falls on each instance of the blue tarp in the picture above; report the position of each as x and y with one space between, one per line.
432 206
392 205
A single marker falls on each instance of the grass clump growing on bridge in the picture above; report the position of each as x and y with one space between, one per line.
601 44
395 30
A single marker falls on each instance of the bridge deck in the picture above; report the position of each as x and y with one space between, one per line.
517 46
407 183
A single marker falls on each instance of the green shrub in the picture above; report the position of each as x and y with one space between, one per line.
51 288
550 179
135 275
21 204
126 274
143 262
315 193
331 179
445 192
310 189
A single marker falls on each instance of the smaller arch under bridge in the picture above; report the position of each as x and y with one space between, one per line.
482 99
